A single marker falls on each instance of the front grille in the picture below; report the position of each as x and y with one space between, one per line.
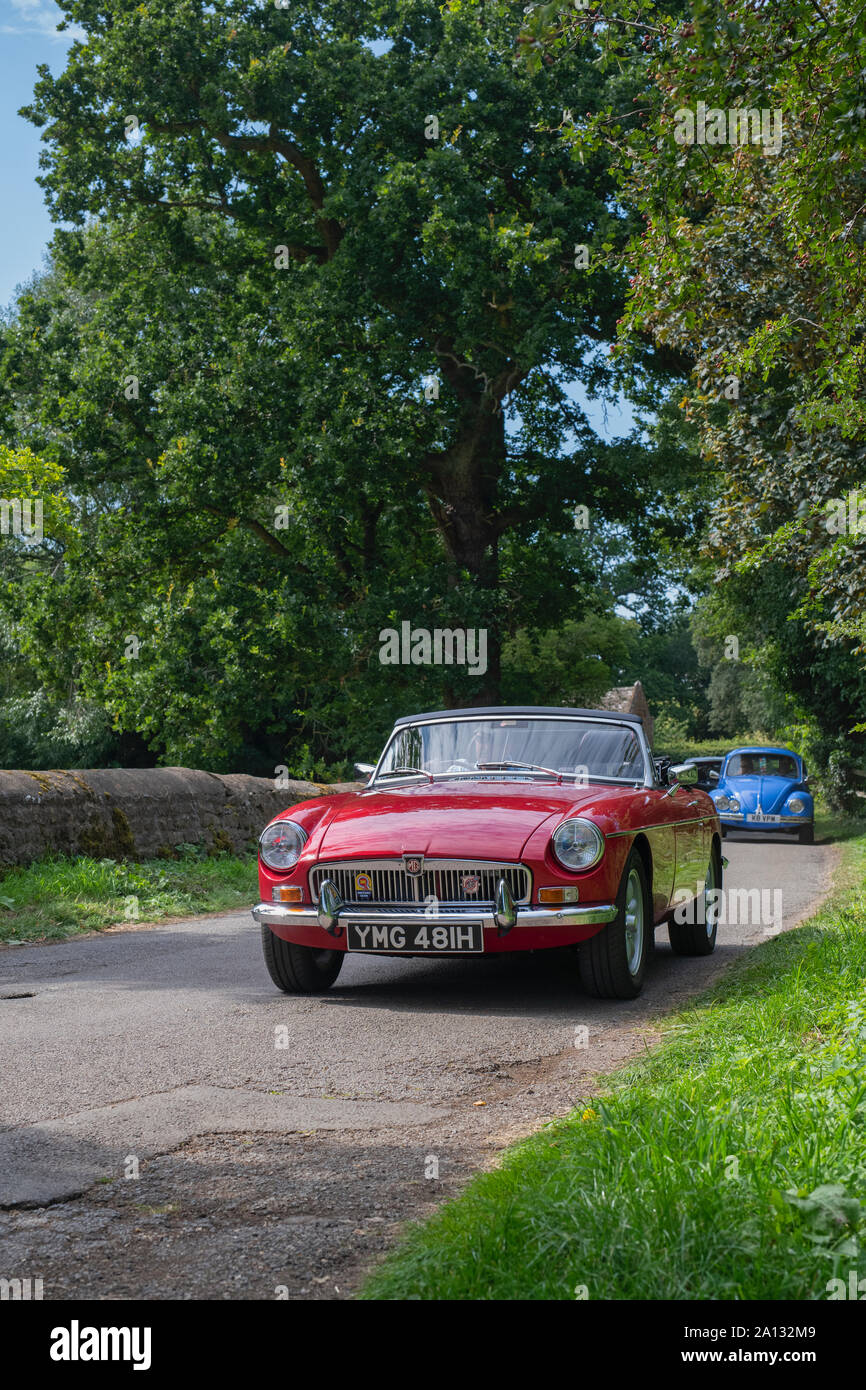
443 879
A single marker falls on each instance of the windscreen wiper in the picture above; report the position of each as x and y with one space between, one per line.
396 771
527 767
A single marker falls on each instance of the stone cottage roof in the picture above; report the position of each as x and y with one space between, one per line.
629 699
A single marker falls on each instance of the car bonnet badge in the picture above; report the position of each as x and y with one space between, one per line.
413 864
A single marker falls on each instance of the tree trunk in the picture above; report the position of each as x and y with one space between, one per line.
462 495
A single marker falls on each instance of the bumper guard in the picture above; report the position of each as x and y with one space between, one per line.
307 915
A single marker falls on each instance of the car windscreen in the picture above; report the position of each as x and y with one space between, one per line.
762 765
583 749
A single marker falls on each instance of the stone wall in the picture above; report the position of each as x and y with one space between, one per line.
139 813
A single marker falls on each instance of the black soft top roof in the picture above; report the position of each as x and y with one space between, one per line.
509 711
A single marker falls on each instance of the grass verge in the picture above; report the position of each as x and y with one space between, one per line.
730 1163
59 897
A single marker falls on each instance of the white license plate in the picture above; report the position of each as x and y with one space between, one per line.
760 819
424 938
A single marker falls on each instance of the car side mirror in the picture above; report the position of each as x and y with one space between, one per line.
365 771
713 776
682 775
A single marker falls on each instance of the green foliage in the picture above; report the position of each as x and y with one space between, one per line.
37 732
260 486
574 664
750 272
797 198
790 681
838 777
23 475
306 768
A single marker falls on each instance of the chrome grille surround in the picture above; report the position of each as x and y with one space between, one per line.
440 879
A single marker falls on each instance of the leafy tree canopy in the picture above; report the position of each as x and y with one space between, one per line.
305 355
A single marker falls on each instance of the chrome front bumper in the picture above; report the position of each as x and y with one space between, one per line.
306 915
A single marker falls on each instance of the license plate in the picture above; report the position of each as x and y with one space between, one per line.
423 937
760 819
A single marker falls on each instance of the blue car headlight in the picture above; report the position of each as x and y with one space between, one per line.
796 805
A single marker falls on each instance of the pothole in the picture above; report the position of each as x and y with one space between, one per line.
20 994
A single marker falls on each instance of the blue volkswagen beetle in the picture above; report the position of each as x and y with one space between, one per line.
765 789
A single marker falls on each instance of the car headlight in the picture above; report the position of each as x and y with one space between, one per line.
280 844
577 844
796 804
727 803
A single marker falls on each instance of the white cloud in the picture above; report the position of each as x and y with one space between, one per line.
39 17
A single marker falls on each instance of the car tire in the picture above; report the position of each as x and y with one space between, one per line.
613 963
299 969
699 938
806 835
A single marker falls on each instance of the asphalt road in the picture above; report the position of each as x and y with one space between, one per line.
171 1126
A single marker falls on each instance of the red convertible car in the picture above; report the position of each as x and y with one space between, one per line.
501 829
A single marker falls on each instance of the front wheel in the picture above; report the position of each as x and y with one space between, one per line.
698 938
806 835
614 961
299 969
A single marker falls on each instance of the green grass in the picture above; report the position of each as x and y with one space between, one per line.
730 1163
59 897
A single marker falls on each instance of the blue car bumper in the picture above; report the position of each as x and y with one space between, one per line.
740 822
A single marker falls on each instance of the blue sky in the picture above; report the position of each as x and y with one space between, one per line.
28 36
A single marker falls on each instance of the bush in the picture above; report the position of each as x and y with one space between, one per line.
39 733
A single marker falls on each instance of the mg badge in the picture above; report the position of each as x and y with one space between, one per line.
471 883
413 864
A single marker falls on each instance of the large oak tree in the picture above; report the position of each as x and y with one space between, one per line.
335 246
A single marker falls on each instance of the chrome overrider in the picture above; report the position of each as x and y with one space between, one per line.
330 912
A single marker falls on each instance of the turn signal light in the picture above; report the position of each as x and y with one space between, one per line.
558 895
292 893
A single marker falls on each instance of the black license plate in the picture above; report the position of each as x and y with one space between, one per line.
426 938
